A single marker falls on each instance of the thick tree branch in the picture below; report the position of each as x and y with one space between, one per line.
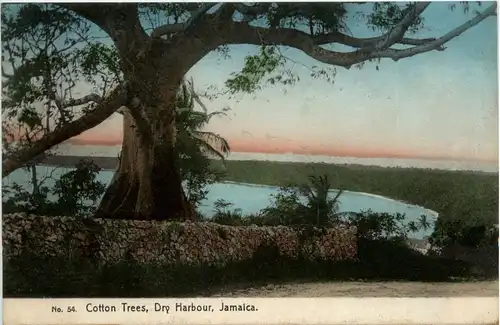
94 12
438 43
250 12
226 11
254 10
107 107
398 31
341 38
304 8
242 33
120 21
181 27
395 35
81 101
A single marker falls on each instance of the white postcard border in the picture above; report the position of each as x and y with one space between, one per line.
464 310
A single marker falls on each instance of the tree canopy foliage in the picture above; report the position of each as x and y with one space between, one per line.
67 67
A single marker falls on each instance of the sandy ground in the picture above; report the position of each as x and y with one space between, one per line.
368 289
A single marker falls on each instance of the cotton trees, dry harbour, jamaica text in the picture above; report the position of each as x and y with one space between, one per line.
136 64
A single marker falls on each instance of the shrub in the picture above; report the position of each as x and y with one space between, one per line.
373 226
304 204
470 233
224 216
389 259
73 194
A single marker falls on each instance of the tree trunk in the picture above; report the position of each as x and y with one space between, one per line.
147 183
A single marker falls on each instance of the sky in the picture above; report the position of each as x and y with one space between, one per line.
435 105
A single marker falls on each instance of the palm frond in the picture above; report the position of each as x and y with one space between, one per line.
210 150
308 192
336 198
214 139
191 120
222 112
189 123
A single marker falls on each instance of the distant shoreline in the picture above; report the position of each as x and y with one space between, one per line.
105 163
111 163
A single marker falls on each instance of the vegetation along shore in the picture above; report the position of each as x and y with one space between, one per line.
453 194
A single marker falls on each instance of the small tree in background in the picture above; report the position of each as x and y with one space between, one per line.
305 204
79 190
386 226
225 214
74 194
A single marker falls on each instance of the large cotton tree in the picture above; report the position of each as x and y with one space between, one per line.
152 59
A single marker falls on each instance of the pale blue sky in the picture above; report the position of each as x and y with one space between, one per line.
434 104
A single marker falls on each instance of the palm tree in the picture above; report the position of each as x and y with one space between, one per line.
318 203
190 122
195 147
423 222
307 204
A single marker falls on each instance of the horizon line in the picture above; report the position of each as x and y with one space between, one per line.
359 155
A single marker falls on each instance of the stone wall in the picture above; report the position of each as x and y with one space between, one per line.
167 242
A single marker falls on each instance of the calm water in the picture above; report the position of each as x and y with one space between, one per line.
252 198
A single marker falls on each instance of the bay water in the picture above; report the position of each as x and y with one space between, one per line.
251 198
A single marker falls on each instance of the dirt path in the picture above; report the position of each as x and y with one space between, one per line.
364 289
